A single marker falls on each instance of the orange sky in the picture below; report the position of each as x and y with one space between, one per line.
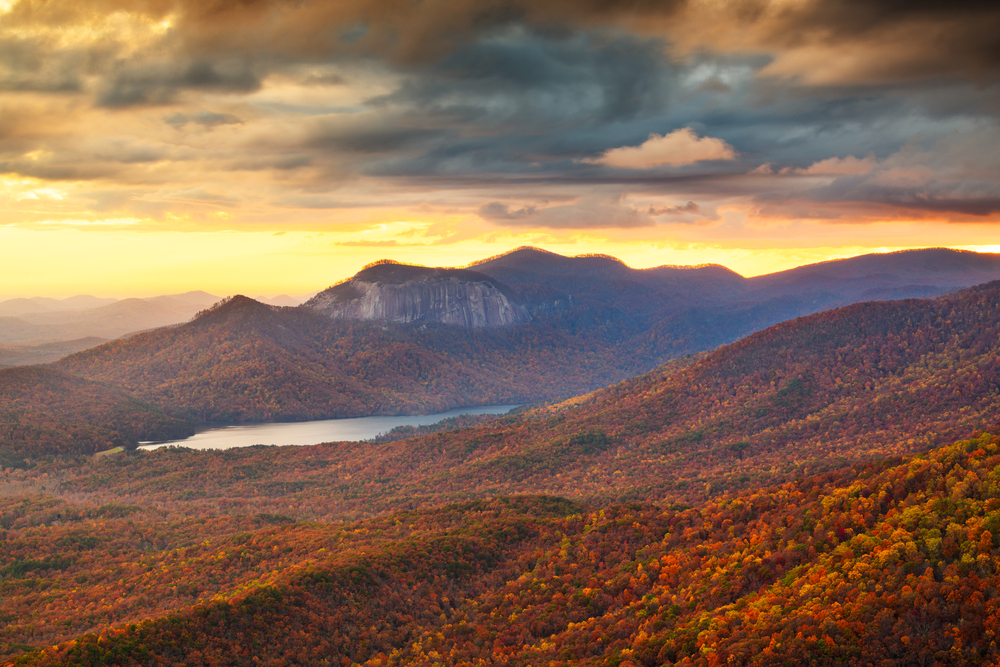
268 147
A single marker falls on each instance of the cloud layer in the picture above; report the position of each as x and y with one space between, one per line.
505 114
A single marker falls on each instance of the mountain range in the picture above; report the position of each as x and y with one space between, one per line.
824 491
521 327
682 304
804 397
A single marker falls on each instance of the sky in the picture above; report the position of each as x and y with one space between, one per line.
277 146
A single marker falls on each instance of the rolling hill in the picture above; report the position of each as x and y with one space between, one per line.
46 412
44 353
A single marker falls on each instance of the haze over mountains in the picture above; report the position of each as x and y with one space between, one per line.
41 330
110 320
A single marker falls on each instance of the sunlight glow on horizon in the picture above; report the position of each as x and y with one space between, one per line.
122 263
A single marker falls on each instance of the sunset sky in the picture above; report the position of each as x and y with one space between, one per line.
270 146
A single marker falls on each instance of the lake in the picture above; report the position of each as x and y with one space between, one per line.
314 432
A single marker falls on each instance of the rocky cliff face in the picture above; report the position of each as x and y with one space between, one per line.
402 293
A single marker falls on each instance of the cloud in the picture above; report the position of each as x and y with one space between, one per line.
160 83
849 165
590 212
829 42
849 42
680 147
957 176
498 211
203 118
495 105
689 207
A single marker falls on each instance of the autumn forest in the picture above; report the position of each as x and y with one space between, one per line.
817 487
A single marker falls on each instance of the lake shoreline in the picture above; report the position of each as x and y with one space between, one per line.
304 433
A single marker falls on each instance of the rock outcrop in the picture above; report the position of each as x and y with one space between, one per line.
394 292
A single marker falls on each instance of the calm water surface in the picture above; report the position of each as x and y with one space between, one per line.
314 432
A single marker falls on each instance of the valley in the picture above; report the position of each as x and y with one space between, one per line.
822 489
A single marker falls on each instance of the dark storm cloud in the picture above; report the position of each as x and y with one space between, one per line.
954 37
159 84
589 212
371 137
518 77
689 207
919 39
963 199
523 98
517 93
957 176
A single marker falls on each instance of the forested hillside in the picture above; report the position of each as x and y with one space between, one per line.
45 412
806 396
245 361
894 562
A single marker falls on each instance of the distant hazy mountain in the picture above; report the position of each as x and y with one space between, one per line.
106 321
38 304
283 300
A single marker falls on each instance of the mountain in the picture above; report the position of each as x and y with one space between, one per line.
812 394
107 321
245 361
913 273
21 306
824 491
283 300
47 412
666 311
392 292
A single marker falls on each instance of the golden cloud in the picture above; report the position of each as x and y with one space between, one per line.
678 148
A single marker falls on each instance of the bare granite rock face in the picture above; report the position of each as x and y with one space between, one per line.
394 292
